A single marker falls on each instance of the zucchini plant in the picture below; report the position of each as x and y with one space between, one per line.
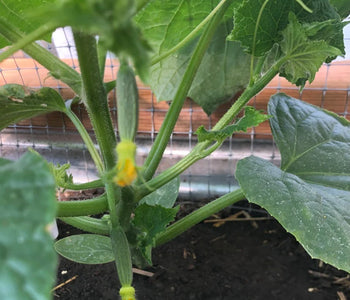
205 50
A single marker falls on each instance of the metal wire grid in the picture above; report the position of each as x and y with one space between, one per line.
209 178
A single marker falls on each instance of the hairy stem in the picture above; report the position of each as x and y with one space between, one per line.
82 207
126 206
88 224
113 197
199 215
98 183
95 97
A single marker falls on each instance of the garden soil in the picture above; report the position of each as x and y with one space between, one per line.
250 260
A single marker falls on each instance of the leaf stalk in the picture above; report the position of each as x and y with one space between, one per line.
82 207
199 215
171 117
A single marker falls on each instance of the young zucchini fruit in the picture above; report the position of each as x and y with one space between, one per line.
127 105
120 247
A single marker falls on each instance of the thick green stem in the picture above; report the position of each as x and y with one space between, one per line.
88 224
98 183
190 36
171 117
199 215
87 140
95 97
113 197
126 206
82 207
58 69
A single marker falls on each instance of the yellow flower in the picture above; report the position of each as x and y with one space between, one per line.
126 167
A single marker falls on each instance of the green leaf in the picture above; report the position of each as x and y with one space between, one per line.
274 17
165 24
303 57
27 201
310 196
111 21
150 221
258 23
314 143
330 31
322 10
342 6
86 248
164 196
18 103
17 12
60 174
251 118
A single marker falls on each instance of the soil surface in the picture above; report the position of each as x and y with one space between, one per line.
237 260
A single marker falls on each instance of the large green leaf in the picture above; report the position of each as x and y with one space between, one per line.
258 24
310 195
303 56
164 196
274 18
27 201
18 103
225 68
314 143
330 31
86 248
16 12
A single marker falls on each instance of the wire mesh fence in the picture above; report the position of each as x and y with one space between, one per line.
54 137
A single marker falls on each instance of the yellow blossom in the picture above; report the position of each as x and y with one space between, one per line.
126 167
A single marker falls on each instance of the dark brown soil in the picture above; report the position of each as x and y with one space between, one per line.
234 261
